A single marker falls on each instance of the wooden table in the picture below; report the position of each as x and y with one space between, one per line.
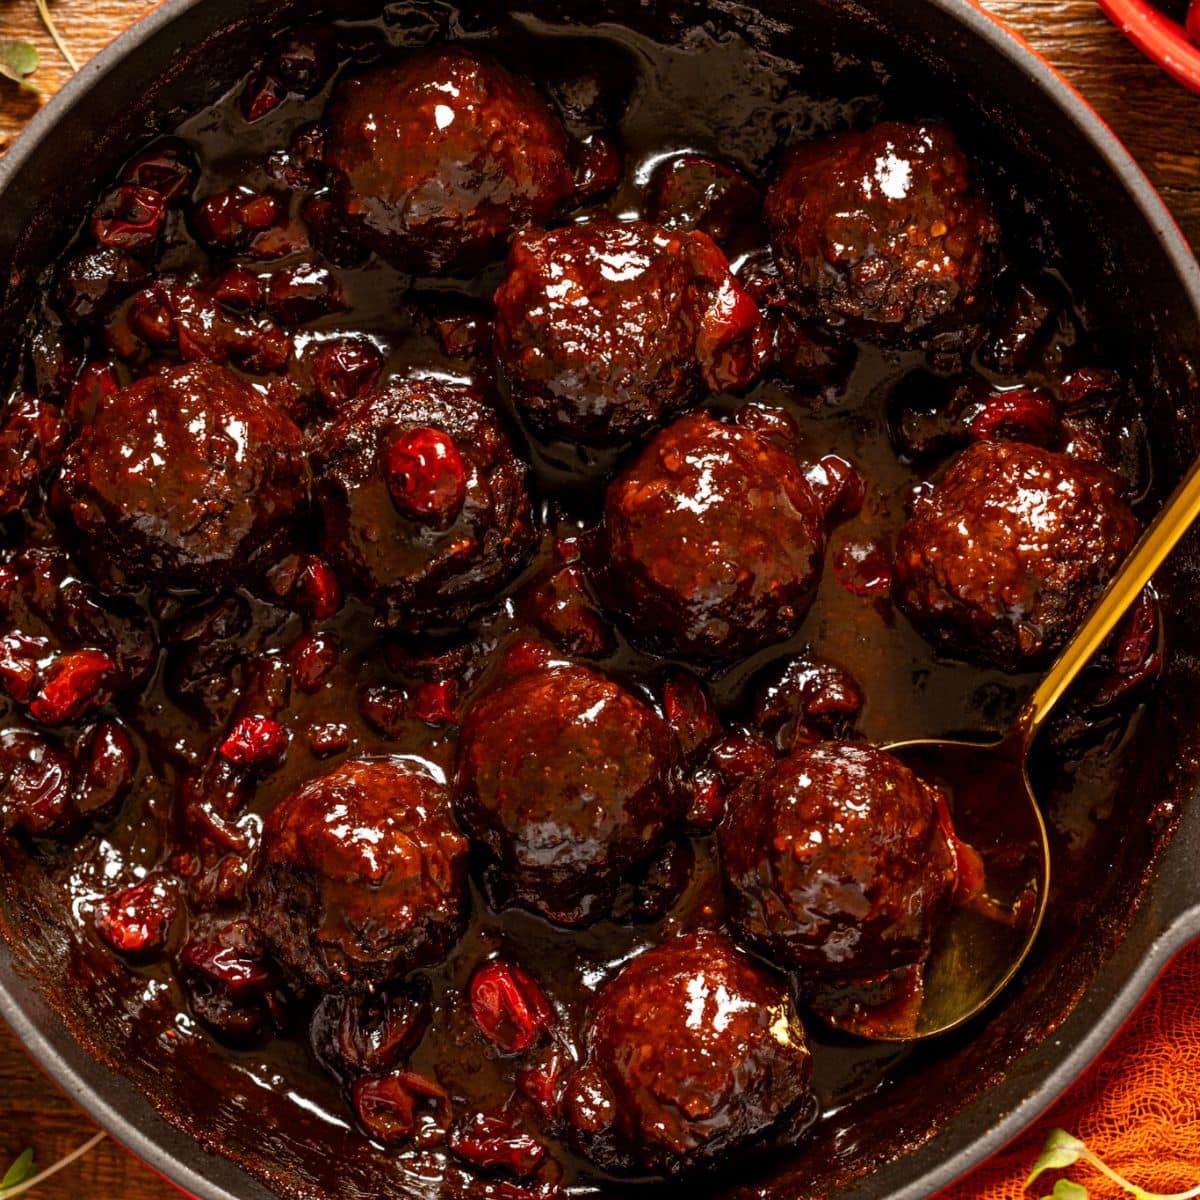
1157 119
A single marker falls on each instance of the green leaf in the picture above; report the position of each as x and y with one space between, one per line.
20 1171
1061 1150
1067 1189
18 60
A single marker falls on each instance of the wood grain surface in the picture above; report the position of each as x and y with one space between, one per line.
1156 119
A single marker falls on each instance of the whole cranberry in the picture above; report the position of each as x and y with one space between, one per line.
495 1144
168 167
311 658
228 220
695 192
35 785
303 293
427 476
318 591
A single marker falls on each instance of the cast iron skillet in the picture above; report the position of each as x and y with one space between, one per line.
1144 291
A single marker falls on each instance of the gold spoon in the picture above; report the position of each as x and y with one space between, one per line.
974 955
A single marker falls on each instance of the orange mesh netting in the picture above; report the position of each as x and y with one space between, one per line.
1138 1107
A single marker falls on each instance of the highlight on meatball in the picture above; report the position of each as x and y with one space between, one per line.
183 479
438 159
566 781
1005 556
716 540
362 875
604 329
694 1052
423 503
838 861
882 230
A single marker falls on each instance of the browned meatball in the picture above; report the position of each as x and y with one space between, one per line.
183 479
716 540
423 502
606 328
438 159
882 230
566 780
1005 556
838 860
693 1053
362 876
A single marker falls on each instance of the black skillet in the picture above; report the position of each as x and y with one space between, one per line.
1144 290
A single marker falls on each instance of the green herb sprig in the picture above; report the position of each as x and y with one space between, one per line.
1063 1150
23 1174
18 60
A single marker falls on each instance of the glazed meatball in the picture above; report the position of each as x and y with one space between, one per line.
566 781
423 503
715 538
606 328
883 230
838 860
436 161
183 479
1005 556
362 875
693 1053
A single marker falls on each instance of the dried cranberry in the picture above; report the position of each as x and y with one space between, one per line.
838 486
542 1082
494 1144
562 608
436 703
734 342
255 742
427 476
1021 325
150 316
318 591
329 737
237 290
387 1105
227 980
31 442
509 1006
864 567
19 665
35 785
226 220
75 684
311 658
303 293
706 806
130 218
740 757
1020 415
109 762
596 164
462 327
369 1033
136 920
690 713
96 281
169 167
346 369
807 693
261 94
384 708
695 192
1136 657
1087 386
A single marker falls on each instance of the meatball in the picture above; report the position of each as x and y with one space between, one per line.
437 160
882 230
606 328
1004 557
566 781
183 479
362 875
693 1053
715 539
838 859
423 502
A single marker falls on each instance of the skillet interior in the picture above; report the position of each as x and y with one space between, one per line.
1130 291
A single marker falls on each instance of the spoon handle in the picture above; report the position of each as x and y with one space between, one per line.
1159 539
